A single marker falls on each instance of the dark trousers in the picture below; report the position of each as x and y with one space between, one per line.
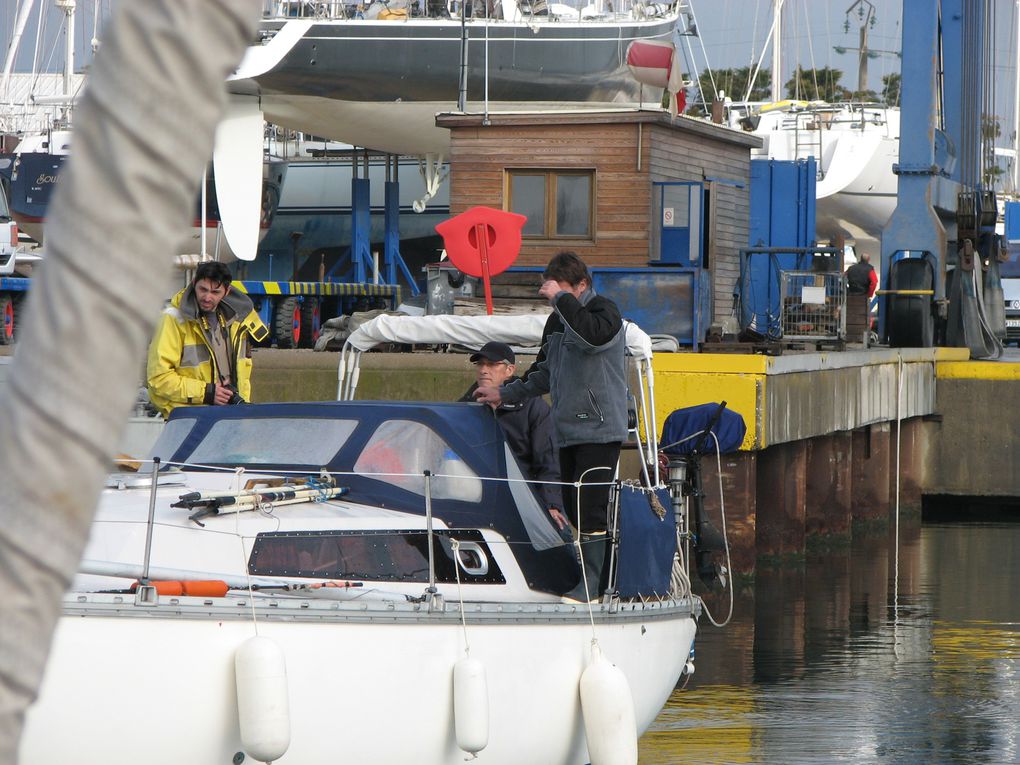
594 500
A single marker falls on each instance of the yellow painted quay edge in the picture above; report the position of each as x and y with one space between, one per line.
689 379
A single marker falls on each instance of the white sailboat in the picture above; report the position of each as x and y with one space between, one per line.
357 582
855 146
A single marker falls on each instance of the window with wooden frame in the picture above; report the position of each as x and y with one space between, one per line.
559 204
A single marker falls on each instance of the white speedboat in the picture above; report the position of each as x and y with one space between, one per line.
355 582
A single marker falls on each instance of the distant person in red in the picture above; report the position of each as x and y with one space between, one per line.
861 277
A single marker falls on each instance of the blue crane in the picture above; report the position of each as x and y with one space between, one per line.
940 252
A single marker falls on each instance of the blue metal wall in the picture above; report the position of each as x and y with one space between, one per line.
782 215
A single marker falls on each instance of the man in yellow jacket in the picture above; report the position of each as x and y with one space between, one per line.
201 352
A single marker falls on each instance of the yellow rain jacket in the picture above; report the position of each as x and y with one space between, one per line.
181 369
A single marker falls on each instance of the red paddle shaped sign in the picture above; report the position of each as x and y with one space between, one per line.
483 242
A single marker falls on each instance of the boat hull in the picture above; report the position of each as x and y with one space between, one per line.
35 176
125 682
380 83
855 148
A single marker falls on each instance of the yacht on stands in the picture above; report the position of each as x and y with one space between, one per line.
378 77
855 147
36 123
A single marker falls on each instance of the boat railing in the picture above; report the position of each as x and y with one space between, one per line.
262 492
494 10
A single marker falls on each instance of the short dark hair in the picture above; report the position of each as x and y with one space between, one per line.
567 267
214 271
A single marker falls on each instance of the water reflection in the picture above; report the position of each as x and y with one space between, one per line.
857 657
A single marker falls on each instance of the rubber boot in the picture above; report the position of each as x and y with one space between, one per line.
593 551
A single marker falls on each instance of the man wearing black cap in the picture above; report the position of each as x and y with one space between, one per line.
527 426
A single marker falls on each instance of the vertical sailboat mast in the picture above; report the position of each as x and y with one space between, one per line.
1016 100
67 6
777 23
12 50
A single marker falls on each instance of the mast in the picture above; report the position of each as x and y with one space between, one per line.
777 21
67 6
1016 102
12 51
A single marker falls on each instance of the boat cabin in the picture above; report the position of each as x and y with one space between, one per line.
652 204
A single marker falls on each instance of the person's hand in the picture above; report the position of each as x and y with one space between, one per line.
488 395
558 518
549 289
222 395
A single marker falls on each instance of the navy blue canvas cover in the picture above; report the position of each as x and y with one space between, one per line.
470 430
646 544
683 423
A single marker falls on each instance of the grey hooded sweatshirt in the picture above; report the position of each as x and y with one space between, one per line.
582 365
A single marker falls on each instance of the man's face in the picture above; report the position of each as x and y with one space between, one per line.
492 373
576 290
209 294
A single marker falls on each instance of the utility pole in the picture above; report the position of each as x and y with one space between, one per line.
866 14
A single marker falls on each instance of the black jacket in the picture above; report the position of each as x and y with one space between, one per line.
527 427
582 365
858 278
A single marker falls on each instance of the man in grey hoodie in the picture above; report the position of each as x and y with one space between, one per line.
581 364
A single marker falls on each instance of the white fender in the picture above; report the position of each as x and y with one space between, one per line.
237 167
470 705
263 706
608 711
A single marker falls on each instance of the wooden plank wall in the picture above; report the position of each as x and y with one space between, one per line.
679 155
479 156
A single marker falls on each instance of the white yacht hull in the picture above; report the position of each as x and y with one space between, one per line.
128 684
379 84
856 187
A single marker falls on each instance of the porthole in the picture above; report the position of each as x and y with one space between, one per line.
472 559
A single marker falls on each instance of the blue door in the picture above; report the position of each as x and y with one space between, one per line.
679 215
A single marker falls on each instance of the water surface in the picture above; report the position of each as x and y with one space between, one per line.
858 657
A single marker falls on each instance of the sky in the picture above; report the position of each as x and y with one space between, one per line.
734 31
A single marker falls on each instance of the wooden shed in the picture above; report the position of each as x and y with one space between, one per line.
601 184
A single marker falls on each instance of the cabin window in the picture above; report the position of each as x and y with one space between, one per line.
171 438
273 441
559 204
539 528
400 451
382 555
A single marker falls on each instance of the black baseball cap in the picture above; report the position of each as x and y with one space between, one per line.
495 352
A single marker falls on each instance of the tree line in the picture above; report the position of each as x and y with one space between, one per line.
806 84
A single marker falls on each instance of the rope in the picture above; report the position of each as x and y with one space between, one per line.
726 539
455 544
580 554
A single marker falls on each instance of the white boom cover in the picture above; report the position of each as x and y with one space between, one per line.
472 331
